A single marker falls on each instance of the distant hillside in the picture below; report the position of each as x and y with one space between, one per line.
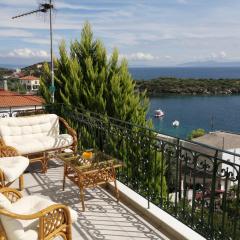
210 64
157 87
5 72
35 69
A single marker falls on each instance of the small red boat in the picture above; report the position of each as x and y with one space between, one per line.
158 113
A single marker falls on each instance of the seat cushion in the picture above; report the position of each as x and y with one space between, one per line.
4 202
13 167
27 229
33 144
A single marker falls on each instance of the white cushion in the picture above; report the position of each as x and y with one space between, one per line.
34 143
4 202
27 229
37 125
13 167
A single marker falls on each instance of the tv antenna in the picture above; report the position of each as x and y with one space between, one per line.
44 8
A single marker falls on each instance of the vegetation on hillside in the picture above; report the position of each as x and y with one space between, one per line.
157 87
15 86
35 69
5 71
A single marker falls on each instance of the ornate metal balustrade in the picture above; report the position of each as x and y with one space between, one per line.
197 184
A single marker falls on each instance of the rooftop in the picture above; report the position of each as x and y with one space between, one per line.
13 99
29 78
220 139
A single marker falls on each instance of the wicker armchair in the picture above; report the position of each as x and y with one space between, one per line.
45 224
12 166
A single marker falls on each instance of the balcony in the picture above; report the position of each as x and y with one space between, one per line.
104 218
170 188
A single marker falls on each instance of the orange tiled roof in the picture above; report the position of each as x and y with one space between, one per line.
7 93
29 78
13 99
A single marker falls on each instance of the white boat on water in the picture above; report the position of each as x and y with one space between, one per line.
176 123
158 113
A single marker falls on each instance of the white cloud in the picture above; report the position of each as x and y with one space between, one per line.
76 7
168 57
28 53
182 1
223 54
25 3
14 33
218 55
42 41
139 56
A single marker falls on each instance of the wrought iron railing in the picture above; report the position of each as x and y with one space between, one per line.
195 183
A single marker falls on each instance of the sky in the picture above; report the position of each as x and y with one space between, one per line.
146 32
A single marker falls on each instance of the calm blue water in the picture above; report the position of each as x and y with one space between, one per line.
185 72
196 112
12 66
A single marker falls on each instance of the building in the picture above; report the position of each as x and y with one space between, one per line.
31 83
229 151
12 102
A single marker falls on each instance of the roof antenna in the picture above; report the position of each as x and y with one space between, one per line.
44 8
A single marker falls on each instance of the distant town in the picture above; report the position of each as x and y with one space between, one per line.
19 89
21 80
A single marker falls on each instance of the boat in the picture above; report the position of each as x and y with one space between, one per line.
176 123
158 113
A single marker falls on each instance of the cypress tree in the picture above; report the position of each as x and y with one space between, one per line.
84 77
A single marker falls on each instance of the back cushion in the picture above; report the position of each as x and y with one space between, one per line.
27 127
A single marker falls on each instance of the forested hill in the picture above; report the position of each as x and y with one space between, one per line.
5 71
156 87
35 69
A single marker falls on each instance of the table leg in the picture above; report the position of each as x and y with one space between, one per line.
81 187
44 162
64 176
82 198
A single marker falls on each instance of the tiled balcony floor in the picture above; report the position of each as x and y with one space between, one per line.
104 218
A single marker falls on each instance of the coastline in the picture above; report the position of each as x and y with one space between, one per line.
178 86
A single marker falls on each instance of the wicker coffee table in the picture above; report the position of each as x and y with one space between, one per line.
89 169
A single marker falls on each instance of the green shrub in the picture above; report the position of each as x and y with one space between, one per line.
196 133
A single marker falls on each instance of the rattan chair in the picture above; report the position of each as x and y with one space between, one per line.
46 224
12 166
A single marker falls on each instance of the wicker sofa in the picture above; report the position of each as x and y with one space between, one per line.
37 136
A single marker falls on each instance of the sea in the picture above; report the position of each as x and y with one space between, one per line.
210 113
145 73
